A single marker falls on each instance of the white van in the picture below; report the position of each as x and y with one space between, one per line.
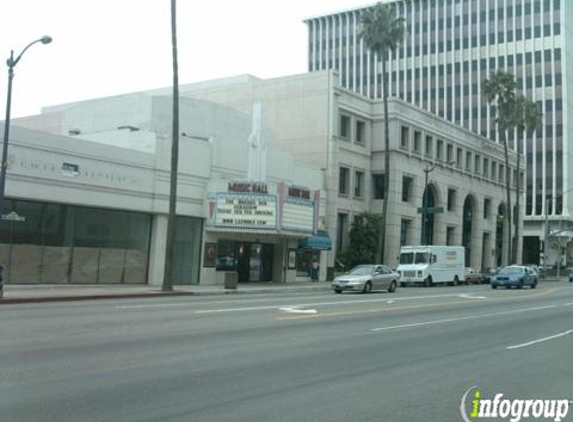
432 264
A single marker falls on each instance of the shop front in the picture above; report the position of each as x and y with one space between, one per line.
308 252
252 229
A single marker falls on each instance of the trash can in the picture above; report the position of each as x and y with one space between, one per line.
231 279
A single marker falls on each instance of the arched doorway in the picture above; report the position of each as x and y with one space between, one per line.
467 227
429 203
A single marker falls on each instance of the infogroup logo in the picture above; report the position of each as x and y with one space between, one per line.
513 409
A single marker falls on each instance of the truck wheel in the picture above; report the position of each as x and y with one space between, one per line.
428 282
403 284
456 281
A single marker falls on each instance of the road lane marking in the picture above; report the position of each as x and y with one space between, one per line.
406 308
467 296
541 340
217 311
568 304
296 310
461 318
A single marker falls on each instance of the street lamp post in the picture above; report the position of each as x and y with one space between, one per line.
11 62
427 171
425 209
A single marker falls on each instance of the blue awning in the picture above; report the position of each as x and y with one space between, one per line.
320 241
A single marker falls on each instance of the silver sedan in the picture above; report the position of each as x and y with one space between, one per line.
365 278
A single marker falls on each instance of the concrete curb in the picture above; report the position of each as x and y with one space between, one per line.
140 295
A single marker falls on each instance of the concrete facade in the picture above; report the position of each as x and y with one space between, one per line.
450 48
305 114
119 152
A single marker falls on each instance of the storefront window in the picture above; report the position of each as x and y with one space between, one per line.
225 255
53 243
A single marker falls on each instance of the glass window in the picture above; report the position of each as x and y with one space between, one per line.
344 126
404 138
378 186
358 183
451 199
406 188
77 245
343 177
360 131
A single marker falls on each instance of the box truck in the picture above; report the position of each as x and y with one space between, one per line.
432 265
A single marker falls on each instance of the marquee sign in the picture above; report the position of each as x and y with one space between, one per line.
243 210
298 214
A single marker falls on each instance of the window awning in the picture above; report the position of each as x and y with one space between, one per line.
320 241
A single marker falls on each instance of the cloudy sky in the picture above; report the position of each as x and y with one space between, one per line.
108 47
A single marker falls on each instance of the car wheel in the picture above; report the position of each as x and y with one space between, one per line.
367 287
392 287
534 284
428 282
337 291
493 286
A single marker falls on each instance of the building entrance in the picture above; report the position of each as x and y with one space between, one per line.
254 261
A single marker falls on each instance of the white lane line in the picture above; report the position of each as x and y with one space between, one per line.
156 305
296 310
461 318
216 311
467 296
568 304
541 340
306 305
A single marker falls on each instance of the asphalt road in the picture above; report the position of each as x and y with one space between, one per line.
407 356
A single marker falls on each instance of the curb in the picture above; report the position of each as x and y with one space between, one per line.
40 299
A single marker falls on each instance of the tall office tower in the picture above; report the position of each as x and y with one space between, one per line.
452 46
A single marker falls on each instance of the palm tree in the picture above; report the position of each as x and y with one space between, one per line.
499 90
382 32
511 111
527 119
168 272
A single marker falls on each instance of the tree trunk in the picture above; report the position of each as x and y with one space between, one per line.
168 270
508 194
517 211
382 238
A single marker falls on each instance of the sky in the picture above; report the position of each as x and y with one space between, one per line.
109 47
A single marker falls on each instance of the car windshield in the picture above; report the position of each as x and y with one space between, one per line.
422 258
407 258
511 270
362 270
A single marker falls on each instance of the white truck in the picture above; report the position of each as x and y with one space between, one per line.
432 265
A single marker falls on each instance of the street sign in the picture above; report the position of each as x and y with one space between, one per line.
431 210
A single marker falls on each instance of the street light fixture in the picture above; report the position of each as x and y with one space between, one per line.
11 63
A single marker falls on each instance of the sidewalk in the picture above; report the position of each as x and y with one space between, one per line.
54 293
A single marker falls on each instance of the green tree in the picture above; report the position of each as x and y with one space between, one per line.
382 32
168 270
510 110
363 242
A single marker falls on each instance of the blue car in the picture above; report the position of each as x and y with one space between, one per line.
514 275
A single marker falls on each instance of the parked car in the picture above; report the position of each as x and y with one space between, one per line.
488 274
514 275
472 276
365 278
